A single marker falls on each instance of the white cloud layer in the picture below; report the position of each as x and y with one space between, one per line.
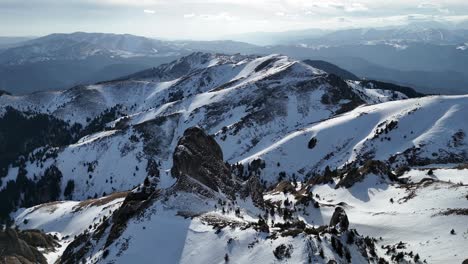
218 16
214 18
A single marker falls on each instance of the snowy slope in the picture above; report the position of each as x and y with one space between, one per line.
248 102
427 130
185 240
67 219
415 217
297 120
195 74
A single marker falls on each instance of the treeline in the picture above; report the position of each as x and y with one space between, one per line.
25 192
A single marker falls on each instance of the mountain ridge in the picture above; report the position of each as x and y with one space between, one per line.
252 153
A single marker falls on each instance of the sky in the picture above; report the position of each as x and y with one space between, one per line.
214 19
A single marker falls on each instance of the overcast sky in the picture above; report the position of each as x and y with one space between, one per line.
211 19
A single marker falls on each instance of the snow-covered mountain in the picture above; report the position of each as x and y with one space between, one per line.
410 55
435 34
81 45
61 61
230 158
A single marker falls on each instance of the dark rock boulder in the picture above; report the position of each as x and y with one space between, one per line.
339 220
13 249
198 163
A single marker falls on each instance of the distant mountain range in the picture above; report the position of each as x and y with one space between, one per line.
432 58
278 38
397 37
61 61
10 42
432 32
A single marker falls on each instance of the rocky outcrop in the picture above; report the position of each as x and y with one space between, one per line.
352 174
20 247
339 90
38 239
253 188
199 166
339 220
134 205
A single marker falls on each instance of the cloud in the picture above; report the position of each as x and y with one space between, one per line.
217 16
356 7
127 2
220 16
191 15
212 18
343 20
433 6
334 8
427 5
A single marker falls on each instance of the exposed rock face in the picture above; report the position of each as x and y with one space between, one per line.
339 220
198 166
253 188
354 174
338 91
20 248
36 238
135 204
198 162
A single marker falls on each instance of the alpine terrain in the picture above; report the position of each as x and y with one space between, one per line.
216 158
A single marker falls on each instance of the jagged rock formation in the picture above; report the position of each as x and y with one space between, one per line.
198 162
21 247
353 173
135 202
253 188
198 167
339 220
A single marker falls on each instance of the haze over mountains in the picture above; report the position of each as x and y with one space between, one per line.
432 58
429 31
